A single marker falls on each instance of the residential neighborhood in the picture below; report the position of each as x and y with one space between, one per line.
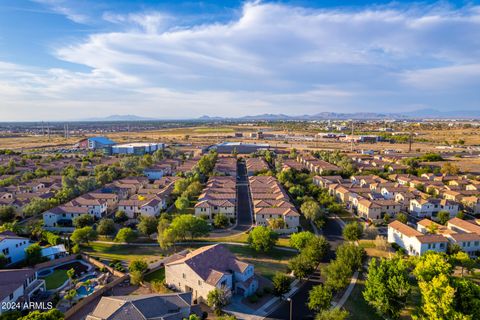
239 160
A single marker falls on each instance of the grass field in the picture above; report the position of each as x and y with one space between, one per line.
357 306
124 252
265 264
242 238
56 279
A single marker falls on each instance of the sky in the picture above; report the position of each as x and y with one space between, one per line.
173 59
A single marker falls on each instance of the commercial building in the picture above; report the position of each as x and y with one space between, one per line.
137 148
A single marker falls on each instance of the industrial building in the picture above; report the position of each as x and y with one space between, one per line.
239 147
137 148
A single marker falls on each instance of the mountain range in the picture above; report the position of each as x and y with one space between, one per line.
418 114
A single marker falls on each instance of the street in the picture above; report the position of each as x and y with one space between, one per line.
333 233
244 215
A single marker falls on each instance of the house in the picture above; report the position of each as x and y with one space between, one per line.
143 307
289 215
61 217
54 252
210 267
377 209
255 165
218 197
96 207
431 207
463 233
13 247
18 286
142 206
414 242
155 172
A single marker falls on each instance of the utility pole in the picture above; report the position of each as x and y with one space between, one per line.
48 129
351 140
410 142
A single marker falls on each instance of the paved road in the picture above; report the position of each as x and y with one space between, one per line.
333 232
244 214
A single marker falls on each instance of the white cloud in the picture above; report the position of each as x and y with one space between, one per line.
273 58
64 7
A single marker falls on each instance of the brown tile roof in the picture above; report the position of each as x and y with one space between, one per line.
210 261
465 225
431 238
404 229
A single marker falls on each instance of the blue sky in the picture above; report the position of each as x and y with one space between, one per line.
74 59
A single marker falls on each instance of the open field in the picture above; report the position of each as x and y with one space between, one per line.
124 252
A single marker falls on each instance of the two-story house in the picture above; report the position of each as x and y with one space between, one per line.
210 267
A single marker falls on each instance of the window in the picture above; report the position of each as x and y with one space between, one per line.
199 282
6 251
184 276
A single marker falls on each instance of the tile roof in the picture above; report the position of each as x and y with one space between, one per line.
210 261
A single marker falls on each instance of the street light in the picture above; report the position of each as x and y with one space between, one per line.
291 306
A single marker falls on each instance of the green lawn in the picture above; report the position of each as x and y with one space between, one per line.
357 306
56 279
265 264
158 275
124 252
242 238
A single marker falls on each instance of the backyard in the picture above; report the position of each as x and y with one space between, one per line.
56 279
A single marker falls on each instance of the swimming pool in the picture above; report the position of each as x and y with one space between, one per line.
84 291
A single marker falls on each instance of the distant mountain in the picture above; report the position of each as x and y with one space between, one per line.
120 117
418 114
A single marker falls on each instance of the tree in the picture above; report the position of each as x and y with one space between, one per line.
430 265
461 215
467 297
218 298
7 214
300 239
180 186
163 225
450 169
319 298
276 223
147 225
136 277
83 221
281 283
387 286
438 299
70 273
187 225
120 216
316 248
138 265
302 265
352 231
220 221
125 235
443 217
71 294
464 260
33 254
182 203
332 314
337 275
402 217
52 314
83 235
262 239
350 255
106 227
311 210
